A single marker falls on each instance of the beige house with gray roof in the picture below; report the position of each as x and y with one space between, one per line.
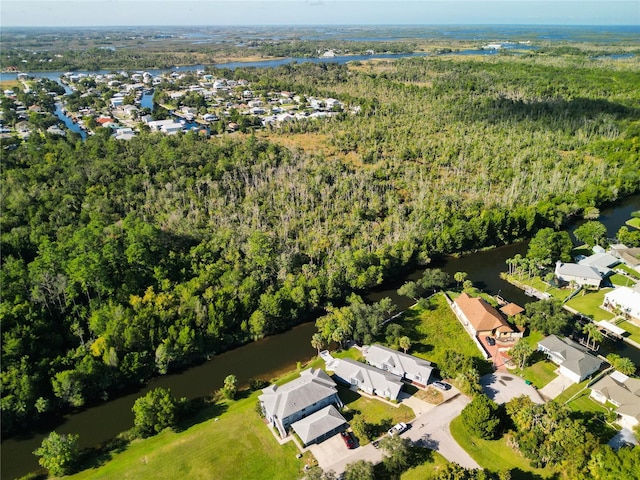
624 393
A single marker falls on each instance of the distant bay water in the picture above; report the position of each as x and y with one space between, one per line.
524 37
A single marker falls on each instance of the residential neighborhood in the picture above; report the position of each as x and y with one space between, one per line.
394 378
168 102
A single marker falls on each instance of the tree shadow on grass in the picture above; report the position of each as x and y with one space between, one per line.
200 411
91 458
518 474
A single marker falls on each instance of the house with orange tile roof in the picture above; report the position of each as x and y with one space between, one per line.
482 318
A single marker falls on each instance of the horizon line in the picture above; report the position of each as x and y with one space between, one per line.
334 25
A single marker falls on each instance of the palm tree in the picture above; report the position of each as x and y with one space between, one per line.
317 342
405 343
592 332
460 277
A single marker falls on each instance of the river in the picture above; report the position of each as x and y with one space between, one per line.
270 356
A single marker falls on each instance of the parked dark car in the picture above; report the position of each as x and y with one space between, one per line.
491 341
348 440
442 385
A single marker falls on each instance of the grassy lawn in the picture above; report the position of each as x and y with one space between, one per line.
540 373
571 391
634 222
629 270
539 284
633 330
588 303
373 410
584 403
620 280
233 443
426 469
495 455
435 329
352 353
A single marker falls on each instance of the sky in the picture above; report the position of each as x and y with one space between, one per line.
51 13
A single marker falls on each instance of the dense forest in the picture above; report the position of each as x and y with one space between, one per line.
121 260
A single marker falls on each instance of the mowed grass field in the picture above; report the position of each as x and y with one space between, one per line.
237 444
434 329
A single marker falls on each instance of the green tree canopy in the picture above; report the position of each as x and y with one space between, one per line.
547 316
154 412
230 388
520 353
548 246
58 453
592 233
397 453
607 464
482 417
622 364
360 470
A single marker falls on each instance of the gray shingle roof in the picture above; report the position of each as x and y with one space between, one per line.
317 424
575 270
311 387
572 357
401 363
371 378
626 394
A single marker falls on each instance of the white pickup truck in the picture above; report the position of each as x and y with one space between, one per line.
398 428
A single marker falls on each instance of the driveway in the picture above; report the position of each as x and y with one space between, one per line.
502 387
555 387
431 426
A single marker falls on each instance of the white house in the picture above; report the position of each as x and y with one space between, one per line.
602 262
624 299
285 405
624 393
575 364
401 364
582 275
367 378
167 126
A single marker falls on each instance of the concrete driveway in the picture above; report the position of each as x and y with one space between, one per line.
555 387
431 426
333 450
502 387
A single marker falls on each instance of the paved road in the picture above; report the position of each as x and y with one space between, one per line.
431 426
502 387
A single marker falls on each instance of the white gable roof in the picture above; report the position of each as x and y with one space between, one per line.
399 363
